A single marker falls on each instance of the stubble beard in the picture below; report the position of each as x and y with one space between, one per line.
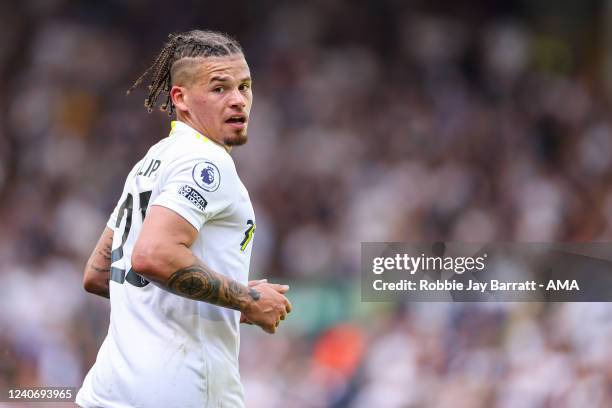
237 139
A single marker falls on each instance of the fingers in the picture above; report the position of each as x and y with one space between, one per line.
279 288
288 306
257 282
272 327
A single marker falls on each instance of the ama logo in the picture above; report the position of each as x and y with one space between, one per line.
207 176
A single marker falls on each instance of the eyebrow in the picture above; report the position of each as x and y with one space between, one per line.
227 78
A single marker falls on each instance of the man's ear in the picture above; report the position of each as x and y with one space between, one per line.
179 97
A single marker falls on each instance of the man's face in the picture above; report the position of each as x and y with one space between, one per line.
218 100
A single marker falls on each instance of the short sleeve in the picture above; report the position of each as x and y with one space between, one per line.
112 220
195 188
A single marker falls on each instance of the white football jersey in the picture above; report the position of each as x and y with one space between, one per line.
163 350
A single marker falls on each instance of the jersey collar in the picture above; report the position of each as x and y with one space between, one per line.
177 126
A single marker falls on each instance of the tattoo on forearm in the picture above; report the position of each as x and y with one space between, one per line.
97 270
100 270
200 283
105 252
196 282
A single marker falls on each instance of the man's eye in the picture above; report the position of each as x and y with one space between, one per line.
219 89
244 87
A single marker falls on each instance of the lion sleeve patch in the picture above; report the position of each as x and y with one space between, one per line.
207 176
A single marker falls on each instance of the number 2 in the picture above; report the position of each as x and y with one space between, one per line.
117 274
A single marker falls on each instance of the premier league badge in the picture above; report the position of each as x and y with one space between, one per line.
207 176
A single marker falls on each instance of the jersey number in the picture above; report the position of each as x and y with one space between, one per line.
118 274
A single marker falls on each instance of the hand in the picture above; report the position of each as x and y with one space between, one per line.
252 283
271 307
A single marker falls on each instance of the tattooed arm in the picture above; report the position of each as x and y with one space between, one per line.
162 254
97 269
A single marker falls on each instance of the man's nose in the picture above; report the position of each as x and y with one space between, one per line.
237 99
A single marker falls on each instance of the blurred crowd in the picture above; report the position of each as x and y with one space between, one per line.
372 121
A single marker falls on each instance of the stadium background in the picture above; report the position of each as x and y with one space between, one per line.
373 121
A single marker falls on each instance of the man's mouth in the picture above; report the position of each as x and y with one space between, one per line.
237 119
